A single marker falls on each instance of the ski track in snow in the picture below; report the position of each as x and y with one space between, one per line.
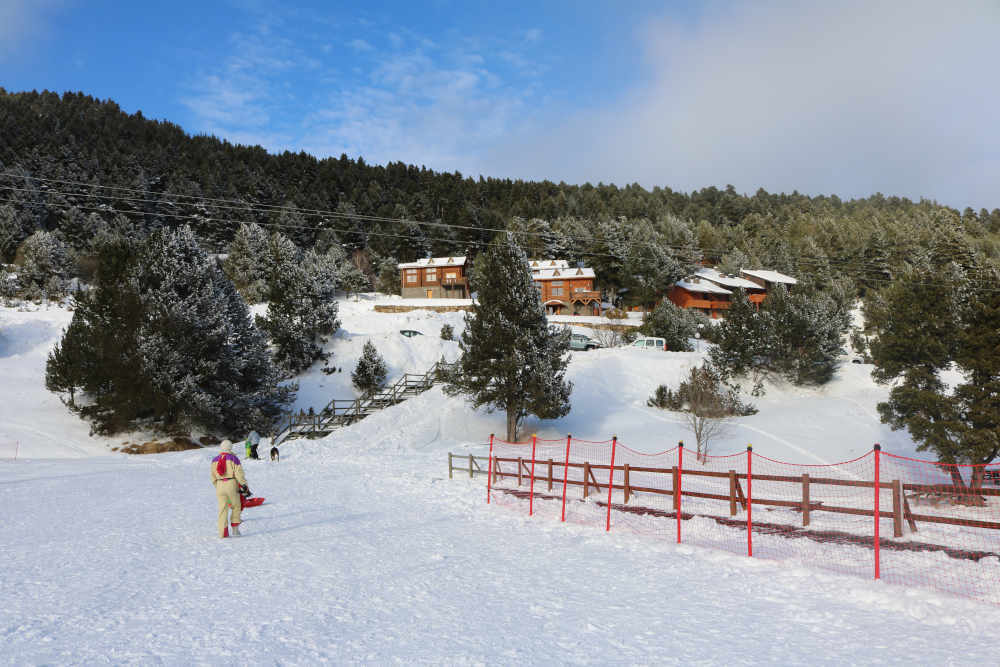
365 551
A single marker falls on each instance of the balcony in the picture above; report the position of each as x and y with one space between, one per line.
586 295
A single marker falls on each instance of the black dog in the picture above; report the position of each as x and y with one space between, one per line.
274 454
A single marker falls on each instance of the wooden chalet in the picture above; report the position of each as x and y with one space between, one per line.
565 290
434 278
711 292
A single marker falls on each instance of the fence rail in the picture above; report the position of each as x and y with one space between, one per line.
833 505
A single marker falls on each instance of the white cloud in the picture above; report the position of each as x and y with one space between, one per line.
21 22
847 98
360 45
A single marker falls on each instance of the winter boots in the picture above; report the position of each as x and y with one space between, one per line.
234 530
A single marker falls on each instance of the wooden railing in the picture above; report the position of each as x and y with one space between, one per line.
342 412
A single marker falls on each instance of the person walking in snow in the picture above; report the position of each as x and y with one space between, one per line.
228 477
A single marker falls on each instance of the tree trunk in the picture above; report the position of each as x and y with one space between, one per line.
512 425
967 495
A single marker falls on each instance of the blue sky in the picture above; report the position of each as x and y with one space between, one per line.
843 97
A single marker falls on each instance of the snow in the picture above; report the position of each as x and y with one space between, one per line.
366 552
724 280
770 276
388 300
433 262
701 286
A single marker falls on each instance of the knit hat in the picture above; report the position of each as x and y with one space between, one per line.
226 446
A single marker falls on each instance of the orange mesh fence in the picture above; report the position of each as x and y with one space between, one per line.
938 526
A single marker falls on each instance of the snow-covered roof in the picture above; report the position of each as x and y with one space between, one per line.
431 262
770 276
726 280
703 286
562 274
537 264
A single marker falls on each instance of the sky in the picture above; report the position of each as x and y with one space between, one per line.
843 97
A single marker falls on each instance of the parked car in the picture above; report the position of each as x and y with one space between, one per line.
410 333
582 342
650 343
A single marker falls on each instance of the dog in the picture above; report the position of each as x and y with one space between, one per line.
275 455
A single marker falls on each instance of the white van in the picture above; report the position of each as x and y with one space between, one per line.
647 343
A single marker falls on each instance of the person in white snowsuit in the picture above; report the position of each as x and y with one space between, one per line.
228 477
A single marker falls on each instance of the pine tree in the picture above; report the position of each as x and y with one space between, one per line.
43 256
932 323
675 325
164 336
447 333
370 373
388 276
302 309
245 263
511 361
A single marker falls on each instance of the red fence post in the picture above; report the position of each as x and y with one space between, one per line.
680 477
878 488
531 487
750 500
569 439
489 473
611 481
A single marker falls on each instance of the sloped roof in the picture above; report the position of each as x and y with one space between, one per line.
536 264
432 262
703 286
726 280
770 276
562 274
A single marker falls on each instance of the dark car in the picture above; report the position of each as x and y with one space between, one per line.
410 333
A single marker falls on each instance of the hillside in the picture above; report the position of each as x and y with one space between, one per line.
75 163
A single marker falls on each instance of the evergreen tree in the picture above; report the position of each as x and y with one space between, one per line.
447 333
675 325
511 361
42 257
164 336
369 375
388 276
302 310
930 324
245 263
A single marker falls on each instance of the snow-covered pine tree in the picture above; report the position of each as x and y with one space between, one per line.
511 361
302 310
677 326
369 375
245 263
42 257
388 276
200 351
351 279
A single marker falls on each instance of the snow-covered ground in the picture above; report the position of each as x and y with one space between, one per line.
366 552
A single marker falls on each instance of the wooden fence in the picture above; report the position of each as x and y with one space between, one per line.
520 469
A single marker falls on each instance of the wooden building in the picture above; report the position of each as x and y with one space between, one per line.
704 295
711 292
565 290
434 278
755 293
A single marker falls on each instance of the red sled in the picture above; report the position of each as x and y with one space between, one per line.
250 502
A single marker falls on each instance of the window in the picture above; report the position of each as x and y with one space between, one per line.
450 275
557 291
557 283
411 275
580 289
431 275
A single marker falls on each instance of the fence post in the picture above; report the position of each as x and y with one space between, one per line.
449 466
878 488
627 485
550 474
611 481
750 501
520 467
470 466
805 499
732 493
489 473
531 487
678 488
586 478
897 508
569 438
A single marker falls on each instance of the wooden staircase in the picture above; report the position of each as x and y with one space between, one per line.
340 413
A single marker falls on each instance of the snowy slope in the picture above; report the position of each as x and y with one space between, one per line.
366 552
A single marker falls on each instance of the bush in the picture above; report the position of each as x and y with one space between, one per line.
616 314
447 333
369 375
